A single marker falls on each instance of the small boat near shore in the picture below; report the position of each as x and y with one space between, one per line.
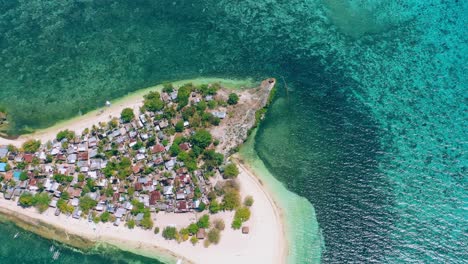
16 235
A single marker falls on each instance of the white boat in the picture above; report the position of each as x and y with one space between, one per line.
51 249
16 235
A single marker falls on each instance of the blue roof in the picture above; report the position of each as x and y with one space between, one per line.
16 175
3 166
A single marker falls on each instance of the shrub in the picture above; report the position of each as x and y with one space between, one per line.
105 217
231 200
248 201
236 224
169 232
156 230
131 224
206 243
26 199
193 228
184 234
214 207
147 222
219 224
243 214
233 99
204 221
194 240
214 235
41 201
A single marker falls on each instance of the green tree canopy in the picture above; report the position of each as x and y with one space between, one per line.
41 201
204 221
153 102
231 171
23 176
236 223
243 214
31 146
202 138
214 207
26 199
169 232
65 134
183 95
127 115
179 127
87 203
231 200
193 228
168 87
105 217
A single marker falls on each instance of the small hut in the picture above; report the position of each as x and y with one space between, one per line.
245 230
201 233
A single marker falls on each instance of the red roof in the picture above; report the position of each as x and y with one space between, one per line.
116 196
32 182
184 146
83 155
136 169
28 158
158 161
8 175
158 148
138 186
154 196
149 183
182 205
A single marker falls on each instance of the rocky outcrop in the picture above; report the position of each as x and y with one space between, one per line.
242 117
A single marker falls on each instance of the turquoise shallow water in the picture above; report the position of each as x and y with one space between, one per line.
28 248
372 131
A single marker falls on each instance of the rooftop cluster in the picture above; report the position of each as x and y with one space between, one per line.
161 158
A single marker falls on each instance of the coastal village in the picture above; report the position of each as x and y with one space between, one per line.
171 155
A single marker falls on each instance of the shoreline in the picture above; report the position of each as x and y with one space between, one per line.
235 247
85 236
103 114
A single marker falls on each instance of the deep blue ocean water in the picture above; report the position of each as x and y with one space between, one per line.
373 120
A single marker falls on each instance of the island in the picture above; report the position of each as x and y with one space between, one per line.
157 174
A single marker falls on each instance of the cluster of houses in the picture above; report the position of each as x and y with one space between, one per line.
156 179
